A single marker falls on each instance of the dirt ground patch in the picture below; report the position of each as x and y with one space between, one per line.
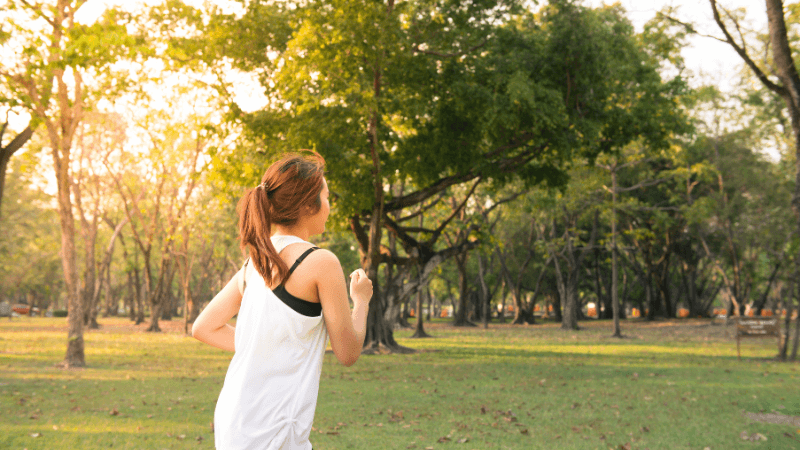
776 418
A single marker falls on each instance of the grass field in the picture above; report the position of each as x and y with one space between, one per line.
667 385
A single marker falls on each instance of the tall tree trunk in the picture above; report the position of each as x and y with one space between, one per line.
111 307
484 292
89 279
75 346
788 304
159 293
796 341
130 301
569 319
461 319
614 288
378 332
419 331
562 290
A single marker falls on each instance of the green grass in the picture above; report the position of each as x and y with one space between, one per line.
667 385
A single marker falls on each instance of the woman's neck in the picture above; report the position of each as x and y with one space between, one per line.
301 232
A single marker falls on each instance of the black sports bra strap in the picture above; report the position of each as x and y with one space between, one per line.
244 275
300 259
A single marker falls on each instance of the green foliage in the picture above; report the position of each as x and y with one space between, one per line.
452 91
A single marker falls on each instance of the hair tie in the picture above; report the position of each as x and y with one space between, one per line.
268 191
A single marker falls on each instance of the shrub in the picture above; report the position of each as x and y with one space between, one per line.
60 313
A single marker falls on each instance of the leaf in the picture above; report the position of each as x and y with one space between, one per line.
744 436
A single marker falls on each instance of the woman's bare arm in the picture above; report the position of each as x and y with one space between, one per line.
211 326
346 329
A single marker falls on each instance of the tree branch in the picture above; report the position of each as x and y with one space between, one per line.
780 90
460 207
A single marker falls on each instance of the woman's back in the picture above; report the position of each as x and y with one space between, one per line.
270 391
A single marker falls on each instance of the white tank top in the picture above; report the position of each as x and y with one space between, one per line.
270 391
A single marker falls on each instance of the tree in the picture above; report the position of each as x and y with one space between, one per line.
174 165
59 67
97 137
433 96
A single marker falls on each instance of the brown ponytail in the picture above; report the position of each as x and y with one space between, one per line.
289 189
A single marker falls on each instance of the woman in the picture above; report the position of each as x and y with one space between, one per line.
290 297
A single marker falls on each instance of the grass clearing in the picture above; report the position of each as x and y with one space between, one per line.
673 384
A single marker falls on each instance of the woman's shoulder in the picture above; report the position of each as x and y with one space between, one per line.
319 257
322 256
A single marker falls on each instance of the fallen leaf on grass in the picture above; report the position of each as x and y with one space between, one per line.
625 446
462 441
443 439
524 431
755 437
113 412
646 429
36 435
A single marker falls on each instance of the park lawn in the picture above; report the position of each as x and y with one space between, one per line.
667 385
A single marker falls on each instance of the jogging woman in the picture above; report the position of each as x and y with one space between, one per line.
290 297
